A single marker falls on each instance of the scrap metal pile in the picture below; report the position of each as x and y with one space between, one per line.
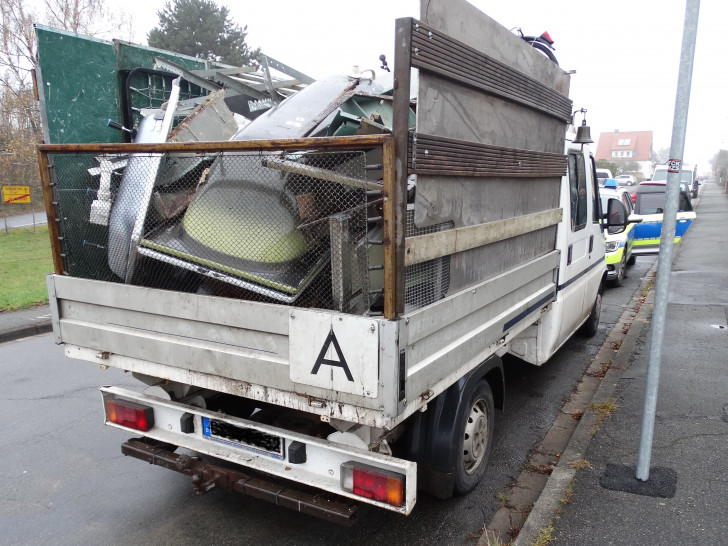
288 226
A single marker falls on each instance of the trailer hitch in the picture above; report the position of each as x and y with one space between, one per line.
206 477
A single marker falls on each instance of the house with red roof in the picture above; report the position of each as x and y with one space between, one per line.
625 147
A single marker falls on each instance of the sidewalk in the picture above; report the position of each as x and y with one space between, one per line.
28 322
587 499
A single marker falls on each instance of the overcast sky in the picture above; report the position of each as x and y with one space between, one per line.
625 53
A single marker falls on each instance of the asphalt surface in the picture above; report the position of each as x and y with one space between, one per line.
592 495
23 220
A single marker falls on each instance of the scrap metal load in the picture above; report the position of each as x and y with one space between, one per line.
263 226
280 226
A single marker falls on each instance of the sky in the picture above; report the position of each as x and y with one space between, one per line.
625 53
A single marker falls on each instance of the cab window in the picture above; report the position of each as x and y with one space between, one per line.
596 203
577 188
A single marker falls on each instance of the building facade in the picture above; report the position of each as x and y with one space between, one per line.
630 149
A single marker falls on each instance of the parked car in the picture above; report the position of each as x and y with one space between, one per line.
626 180
688 178
602 175
649 207
618 245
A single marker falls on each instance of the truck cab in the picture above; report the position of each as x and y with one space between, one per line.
582 269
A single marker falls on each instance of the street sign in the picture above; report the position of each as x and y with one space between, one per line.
16 194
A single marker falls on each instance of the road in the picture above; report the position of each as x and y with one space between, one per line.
66 482
24 220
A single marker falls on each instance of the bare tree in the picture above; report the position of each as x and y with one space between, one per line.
661 156
91 17
20 127
18 43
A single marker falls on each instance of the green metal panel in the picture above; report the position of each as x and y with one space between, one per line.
81 86
148 90
81 83
78 84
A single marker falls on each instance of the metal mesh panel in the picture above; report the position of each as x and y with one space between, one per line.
425 282
287 228
149 89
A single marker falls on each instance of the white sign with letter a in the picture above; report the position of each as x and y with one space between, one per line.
334 351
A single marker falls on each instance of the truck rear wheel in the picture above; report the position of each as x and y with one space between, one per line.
476 424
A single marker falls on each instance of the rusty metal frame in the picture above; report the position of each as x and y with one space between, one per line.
449 58
401 106
436 155
386 142
50 202
421 46
206 476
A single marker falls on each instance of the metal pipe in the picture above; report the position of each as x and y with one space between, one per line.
321 174
667 237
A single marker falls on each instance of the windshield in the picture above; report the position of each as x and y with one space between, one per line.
685 175
654 203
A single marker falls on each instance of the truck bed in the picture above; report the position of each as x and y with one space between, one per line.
258 350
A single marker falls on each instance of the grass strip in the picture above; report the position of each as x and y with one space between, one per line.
25 259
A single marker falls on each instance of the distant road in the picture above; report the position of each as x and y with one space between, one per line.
24 220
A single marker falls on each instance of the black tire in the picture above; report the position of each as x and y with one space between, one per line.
541 47
475 427
617 282
591 326
632 259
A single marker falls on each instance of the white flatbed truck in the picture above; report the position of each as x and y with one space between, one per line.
365 363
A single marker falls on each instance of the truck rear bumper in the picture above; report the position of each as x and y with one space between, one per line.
293 456
206 476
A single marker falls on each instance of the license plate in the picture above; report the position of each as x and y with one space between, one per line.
243 437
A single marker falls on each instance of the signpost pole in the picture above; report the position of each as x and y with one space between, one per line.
667 238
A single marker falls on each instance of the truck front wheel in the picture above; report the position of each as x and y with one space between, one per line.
591 326
476 423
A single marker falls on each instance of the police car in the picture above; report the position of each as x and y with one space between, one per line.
618 245
649 206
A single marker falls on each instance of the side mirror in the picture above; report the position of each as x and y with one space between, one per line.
616 218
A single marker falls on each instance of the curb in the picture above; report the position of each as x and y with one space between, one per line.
552 491
550 500
18 332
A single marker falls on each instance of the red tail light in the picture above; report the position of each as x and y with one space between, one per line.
129 414
373 483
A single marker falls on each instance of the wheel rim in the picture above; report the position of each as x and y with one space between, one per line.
475 442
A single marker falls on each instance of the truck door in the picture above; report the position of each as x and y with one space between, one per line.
578 245
595 264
